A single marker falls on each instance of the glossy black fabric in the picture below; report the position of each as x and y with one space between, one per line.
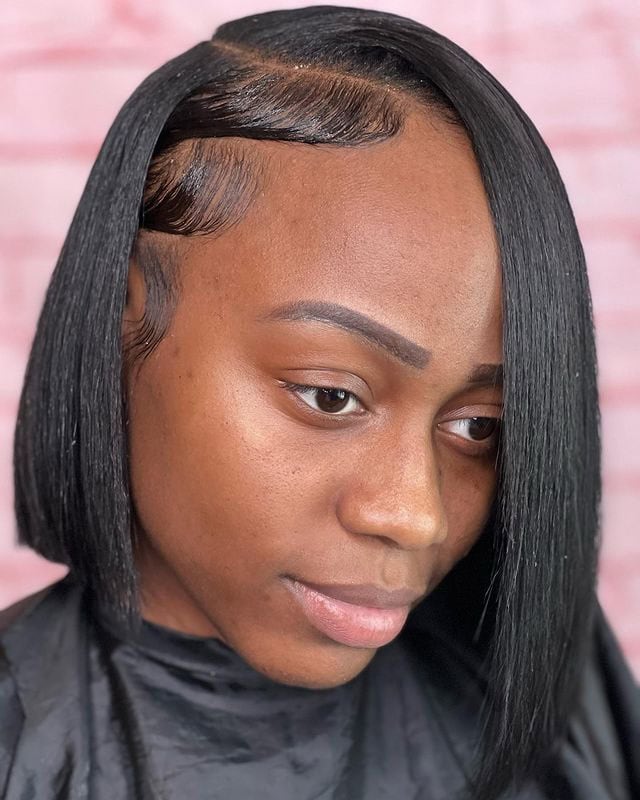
88 713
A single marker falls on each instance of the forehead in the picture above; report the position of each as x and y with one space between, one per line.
400 229
419 188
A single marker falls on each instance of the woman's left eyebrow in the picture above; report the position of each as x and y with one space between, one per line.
397 345
487 375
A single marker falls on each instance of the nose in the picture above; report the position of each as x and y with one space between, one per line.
395 494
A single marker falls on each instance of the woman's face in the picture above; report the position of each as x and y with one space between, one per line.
242 481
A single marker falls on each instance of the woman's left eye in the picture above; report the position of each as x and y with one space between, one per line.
483 431
330 400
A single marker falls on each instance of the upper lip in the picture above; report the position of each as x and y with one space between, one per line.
366 594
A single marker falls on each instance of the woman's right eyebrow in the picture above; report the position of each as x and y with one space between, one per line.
398 346
394 343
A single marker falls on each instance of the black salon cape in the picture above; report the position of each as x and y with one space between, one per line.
88 713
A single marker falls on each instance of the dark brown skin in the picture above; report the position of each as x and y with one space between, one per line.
237 480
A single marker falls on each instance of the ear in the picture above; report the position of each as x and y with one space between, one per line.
132 317
135 299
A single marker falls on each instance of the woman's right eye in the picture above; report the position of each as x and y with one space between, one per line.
327 400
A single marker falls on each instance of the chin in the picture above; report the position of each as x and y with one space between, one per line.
313 667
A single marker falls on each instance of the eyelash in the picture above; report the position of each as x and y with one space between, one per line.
479 447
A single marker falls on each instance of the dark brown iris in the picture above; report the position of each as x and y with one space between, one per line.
332 400
482 427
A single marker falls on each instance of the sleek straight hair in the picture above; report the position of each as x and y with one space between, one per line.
180 160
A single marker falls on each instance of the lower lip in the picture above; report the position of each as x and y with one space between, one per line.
347 623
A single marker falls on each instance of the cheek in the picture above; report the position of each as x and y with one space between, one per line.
468 489
218 486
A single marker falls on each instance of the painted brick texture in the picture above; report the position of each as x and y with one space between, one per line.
66 66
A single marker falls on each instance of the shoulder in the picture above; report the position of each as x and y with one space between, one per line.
21 608
16 638
49 606
600 757
609 712
41 647
32 633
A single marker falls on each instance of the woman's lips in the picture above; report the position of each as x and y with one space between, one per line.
346 622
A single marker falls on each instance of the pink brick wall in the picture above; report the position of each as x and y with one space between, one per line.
66 66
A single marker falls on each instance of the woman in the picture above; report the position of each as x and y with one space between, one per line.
311 415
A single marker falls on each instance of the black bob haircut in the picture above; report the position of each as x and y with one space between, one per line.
168 169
